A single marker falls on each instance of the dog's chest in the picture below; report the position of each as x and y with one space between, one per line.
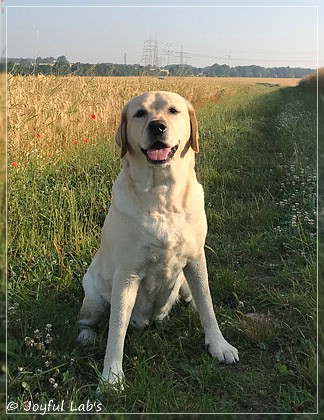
164 263
163 258
167 245
160 272
166 230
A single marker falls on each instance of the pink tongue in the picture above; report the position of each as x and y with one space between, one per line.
158 154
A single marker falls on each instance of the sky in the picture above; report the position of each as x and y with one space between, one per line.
266 33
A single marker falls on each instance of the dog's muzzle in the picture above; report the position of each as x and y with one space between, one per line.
159 152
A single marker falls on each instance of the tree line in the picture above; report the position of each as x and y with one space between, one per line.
62 67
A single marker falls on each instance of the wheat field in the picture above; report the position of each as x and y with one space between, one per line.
47 114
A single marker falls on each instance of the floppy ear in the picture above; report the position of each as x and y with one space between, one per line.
194 128
121 134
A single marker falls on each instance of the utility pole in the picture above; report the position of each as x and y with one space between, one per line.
168 52
36 49
155 62
181 56
148 52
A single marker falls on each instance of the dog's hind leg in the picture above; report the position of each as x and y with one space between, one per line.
165 301
185 292
94 306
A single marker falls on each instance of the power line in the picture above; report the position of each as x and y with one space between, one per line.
229 56
151 48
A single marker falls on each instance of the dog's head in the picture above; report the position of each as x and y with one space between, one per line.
159 126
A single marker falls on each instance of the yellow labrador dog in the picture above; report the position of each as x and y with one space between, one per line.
152 245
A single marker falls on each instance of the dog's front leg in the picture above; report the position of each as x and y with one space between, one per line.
123 298
197 277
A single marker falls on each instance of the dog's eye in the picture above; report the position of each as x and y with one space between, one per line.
140 113
173 110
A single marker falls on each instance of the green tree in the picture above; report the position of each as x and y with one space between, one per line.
62 66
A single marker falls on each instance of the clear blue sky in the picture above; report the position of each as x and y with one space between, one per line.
262 34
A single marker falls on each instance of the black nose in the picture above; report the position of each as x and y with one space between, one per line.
157 127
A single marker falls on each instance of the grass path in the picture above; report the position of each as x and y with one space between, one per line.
257 165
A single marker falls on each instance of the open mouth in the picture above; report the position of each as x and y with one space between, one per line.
159 154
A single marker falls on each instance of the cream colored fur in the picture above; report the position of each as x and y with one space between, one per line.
152 245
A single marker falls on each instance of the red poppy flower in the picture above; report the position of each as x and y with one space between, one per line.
14 163
86 140
93 116
75 142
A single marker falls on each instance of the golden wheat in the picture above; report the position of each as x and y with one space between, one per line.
48 114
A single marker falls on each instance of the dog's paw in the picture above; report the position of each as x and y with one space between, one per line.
139 323
161 316
222 350
114 381
87 336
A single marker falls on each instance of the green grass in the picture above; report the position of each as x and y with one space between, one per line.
258 167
